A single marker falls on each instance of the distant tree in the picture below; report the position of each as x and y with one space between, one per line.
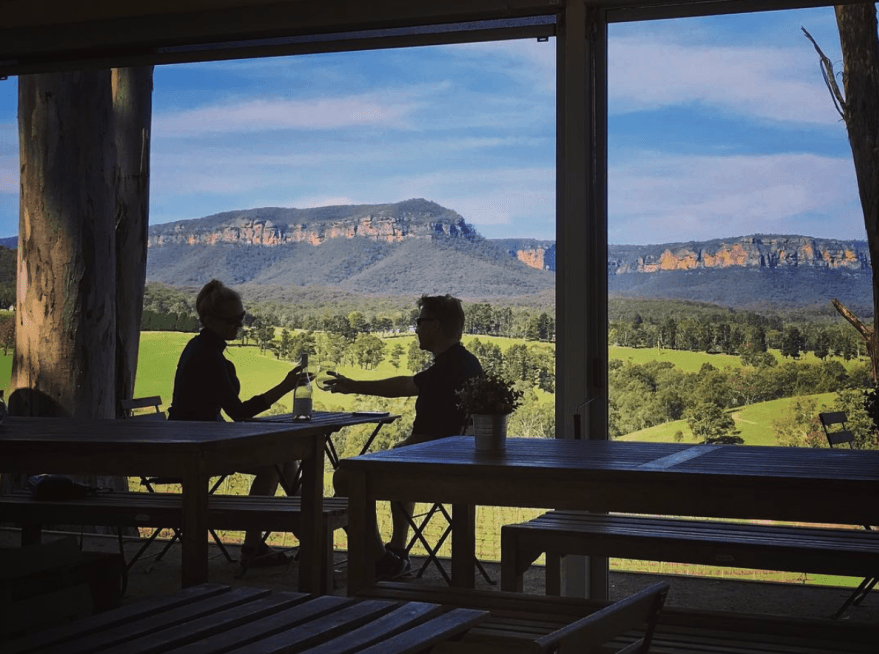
418 359
330 347
759 359
534 419
711 423
303 342
358 322
367 350
518 365
489 355
340 325
264 334
7 334
396 352
858 406
799 425
284 344
792 343
822 345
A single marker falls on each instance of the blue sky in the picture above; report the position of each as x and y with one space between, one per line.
719 127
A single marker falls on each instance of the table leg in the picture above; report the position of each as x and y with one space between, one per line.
361 530
463 545
195 527
312 575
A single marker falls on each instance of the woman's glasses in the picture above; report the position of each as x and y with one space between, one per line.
418 321
233 320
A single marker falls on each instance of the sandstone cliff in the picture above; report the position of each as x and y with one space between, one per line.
392 223
750 252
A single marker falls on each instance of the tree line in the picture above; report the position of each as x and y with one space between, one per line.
748 339
168 308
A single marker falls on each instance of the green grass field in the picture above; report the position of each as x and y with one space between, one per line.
157 362
685 361
754 423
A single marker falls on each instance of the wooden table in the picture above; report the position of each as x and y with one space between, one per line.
731 481
191 451
211 618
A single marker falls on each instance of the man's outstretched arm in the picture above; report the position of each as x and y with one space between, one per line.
402 386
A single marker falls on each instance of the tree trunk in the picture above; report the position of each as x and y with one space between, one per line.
132 109
64 363
859 42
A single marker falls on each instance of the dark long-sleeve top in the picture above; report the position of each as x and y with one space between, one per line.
206 382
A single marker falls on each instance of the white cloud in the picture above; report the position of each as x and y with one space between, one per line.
774 83
527 60
264 115
656 198
521 198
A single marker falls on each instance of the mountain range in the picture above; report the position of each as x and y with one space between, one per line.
417 246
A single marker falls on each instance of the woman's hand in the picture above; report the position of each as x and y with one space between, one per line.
295 378
338 383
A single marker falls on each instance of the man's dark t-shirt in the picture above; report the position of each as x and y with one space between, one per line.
436 410
206 382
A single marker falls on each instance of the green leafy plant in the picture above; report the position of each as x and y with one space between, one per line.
489 394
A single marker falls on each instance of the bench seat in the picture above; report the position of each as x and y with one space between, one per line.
834 551
227 512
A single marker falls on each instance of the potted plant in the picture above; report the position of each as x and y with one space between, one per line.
489 400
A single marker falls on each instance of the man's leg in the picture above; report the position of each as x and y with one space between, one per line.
388 565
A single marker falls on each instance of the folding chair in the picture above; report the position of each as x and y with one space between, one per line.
131 410
433 551
838 434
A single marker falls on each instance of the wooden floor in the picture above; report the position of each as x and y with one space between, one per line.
699 618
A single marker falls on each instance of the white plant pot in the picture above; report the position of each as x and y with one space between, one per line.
490 431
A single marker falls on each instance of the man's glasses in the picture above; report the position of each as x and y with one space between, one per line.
234 320
418 321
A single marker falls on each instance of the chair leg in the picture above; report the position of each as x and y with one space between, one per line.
143 548
168 545
222 547
857 596
418 535
433 552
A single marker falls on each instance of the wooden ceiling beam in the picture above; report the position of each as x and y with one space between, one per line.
46 35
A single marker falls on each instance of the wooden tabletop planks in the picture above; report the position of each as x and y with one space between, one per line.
212 619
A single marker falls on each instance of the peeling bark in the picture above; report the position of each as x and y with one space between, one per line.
132 109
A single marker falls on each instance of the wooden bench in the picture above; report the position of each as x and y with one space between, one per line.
848 552
538 624
228 512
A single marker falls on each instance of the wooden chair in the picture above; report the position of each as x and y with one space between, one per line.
838 434
150 408
531 624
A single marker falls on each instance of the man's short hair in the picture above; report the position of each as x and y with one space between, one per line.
447 310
